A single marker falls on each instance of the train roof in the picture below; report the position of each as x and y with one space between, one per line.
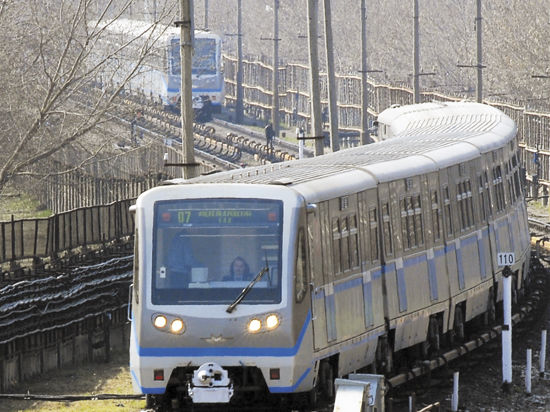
455 133
137 28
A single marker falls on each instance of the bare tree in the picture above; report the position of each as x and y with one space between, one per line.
54 52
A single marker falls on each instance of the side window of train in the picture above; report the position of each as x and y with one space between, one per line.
411 222
386 221
447 208
136 266
465 204
436 215
406 222
300 276
344 244
336 245
488 193
482 198
517 181
498 186
353 242
418 224
509 186
373 234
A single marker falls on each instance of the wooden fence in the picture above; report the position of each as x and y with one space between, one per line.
48 237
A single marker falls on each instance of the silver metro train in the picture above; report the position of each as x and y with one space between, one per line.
273 280
159 75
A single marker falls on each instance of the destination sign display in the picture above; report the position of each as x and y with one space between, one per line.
216 212
218 216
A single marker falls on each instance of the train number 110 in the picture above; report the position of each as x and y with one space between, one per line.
506 259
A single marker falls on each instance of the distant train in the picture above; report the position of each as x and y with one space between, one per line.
351 260
160 74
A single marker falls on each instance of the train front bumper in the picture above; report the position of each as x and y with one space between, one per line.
290 377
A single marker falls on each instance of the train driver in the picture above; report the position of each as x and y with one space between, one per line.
239 270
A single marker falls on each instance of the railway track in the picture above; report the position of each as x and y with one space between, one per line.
234 145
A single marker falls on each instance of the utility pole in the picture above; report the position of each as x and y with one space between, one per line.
332 91
239 106
479 55
186 49
416 54
316 126
275 79
205 14
365 138
479 66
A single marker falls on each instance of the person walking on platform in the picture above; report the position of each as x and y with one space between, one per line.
269 134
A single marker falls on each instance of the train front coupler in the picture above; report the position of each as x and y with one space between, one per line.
210 384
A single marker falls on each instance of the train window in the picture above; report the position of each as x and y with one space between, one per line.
411 222
465 204
517 183
406 220
447 206
418 226
488 192
174 57
436 215
345 250
353 242
344 202
336 245
300 276
514 160
470 202
373 228
197 242
482 200
498 188
388 242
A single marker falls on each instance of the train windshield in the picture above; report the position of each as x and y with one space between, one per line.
205 251
204 57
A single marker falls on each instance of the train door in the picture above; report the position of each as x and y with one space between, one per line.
435 249
318 224
486 213
370 228
390 240
449 227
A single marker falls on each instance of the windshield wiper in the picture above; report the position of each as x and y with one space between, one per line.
245 291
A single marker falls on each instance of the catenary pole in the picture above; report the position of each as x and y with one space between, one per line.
239 106
316 126
416 54
479 90
365 138
332 90
186 50
275 78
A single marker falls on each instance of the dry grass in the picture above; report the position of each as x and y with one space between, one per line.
113 378
21 206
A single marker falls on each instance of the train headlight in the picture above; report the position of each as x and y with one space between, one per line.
272 321
254 325
177 326
160 321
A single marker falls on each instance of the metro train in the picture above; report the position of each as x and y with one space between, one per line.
356 259
160 74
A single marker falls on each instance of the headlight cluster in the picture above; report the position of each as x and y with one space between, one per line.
271 322
173 325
